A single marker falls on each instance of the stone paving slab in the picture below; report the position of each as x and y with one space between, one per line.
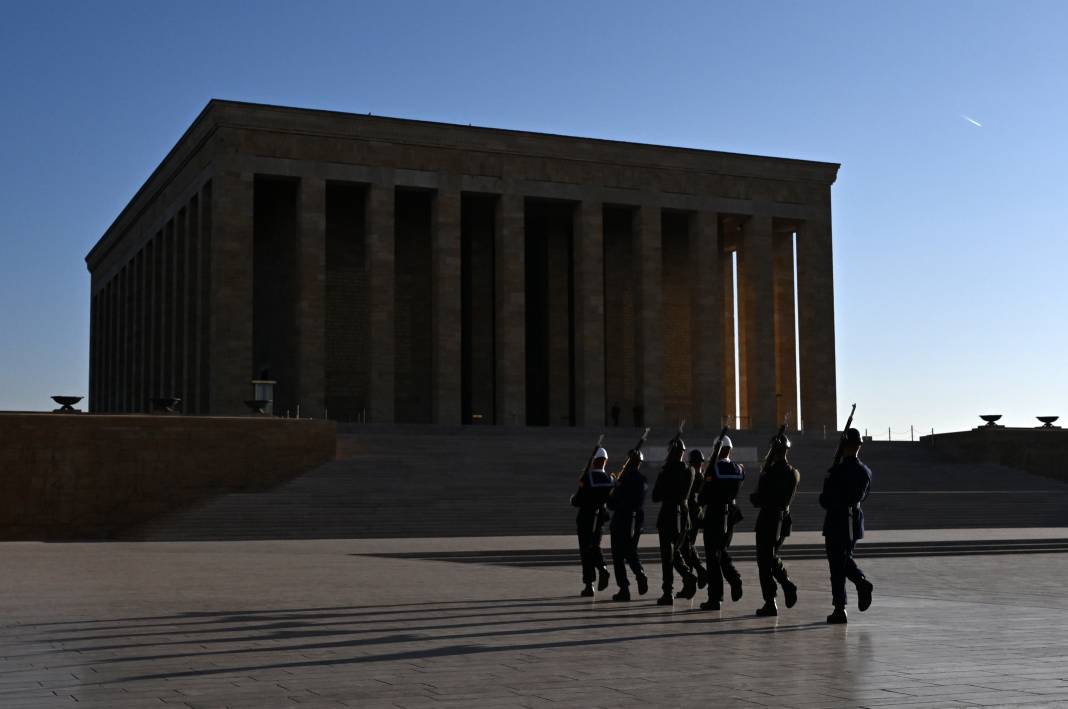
317 624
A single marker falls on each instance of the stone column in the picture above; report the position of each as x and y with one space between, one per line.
709 345
231 292
310 308
169 272
588 256
192 331
756 313
510 312
815 295
151 319
785 342
204 302
446 303
181 246
138 332
648 321
381 336
123 379
127 336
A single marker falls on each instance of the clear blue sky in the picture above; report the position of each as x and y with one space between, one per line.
950 239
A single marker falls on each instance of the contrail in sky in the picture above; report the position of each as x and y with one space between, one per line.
971 120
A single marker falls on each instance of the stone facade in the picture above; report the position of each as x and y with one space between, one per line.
403 271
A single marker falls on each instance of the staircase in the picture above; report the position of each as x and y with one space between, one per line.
422 481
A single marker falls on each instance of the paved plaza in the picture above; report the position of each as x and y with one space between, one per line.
384 623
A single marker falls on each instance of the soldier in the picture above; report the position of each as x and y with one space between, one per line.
775 491
627 502
672 489
723 481
590 500
846 486
688 548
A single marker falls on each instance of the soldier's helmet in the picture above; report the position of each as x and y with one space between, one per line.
853 437
677 445
696 457
780 442
636 456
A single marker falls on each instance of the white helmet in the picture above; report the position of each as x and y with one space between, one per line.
601 453
725 442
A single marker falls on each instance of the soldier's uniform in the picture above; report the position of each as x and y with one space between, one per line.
672 490
847 485
774 494
688 550
627 503
590 500
723 481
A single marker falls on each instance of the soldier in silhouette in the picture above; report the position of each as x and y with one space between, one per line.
723 481
688 549
672 490
847 485
590 499
627 502
775 491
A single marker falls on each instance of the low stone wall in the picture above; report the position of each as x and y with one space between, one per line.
1041 451
82 476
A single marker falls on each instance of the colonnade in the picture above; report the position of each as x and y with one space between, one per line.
179 316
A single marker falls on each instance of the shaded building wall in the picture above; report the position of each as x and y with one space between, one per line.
346 302
679 340
619 311
274 256
549 317
412 307
477 355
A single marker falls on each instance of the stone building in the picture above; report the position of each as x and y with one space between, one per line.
395 270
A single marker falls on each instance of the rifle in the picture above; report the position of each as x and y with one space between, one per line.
586 471
633 454
782 431
678 433
841 441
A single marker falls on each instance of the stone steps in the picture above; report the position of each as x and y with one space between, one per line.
421 481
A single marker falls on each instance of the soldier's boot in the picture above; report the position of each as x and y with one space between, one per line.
622 595
864 589
768 609
702 578
736 590
666 599
689 588
587 591
643 584
710 605
789 593
838 617
602 578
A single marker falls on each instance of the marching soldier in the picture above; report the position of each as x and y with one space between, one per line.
775 491
590 500
672 490
847 485
688 548
627 502
723 480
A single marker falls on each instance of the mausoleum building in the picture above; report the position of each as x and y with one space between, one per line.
405 271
